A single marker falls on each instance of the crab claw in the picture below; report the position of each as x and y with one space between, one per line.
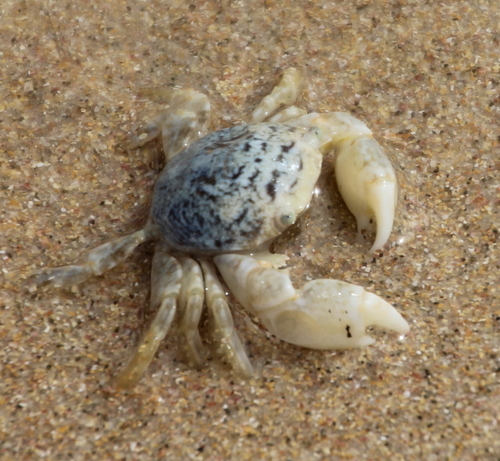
323 314
365 176
367 183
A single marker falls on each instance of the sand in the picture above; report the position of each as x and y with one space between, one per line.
76 76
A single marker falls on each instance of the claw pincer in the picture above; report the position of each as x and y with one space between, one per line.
323 314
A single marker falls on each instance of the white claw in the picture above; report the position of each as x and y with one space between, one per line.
323 314
365 176
367 183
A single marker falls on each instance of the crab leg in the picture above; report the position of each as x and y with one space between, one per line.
97 261
184 122
191 300
224 330
286 114
284 93
323 314
166 277
364 174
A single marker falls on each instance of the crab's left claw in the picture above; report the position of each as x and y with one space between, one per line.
324 314
367 183
365 176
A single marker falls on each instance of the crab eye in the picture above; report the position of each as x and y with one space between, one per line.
286 220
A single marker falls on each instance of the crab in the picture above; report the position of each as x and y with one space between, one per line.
218 205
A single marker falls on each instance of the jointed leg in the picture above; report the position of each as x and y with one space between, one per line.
97 261
284 93
191 301
287 114
224 331
184 122
166 280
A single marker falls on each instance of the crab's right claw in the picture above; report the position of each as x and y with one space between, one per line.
324 314
331 314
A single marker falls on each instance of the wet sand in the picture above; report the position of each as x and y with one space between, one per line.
425 78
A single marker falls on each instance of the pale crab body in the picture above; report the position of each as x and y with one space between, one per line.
222 199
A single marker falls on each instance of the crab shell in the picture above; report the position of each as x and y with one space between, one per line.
236 189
